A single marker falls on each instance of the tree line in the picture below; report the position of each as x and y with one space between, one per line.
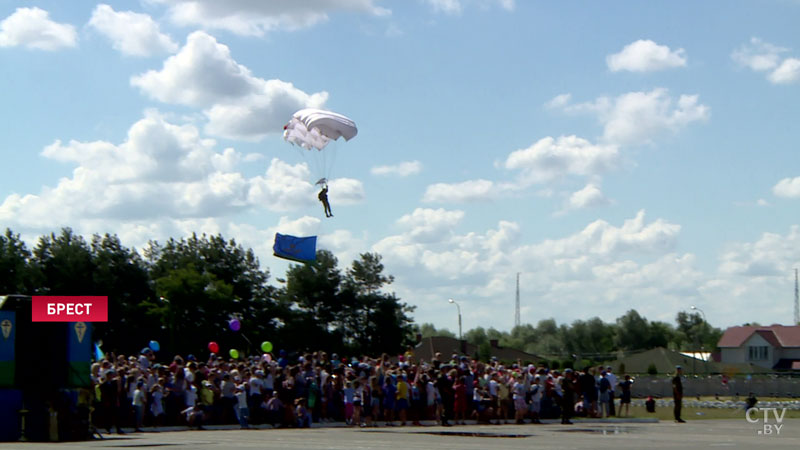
185 293
594 339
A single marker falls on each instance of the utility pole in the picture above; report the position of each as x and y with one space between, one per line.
796 301
516 310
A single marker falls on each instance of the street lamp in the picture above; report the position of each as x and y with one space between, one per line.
459 317
701 312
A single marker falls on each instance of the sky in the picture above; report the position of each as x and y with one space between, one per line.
616 155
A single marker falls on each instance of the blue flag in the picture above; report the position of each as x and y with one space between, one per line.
301 249
98 354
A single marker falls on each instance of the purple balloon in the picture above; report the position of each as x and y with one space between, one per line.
235 324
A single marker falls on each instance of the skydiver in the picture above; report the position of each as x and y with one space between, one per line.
323 197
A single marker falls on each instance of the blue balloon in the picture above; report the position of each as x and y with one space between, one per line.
154 346
235 324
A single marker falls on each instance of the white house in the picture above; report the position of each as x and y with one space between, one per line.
774 347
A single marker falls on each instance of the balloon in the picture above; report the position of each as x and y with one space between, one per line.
234 353
235 324
266 346
213 347
154 346
267 357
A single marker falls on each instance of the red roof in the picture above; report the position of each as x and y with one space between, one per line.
776 335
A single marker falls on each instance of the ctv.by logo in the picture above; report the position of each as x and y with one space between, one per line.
769 428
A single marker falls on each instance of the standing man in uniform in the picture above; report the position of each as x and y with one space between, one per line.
677 393
567 401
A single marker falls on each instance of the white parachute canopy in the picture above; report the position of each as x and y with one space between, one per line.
315 128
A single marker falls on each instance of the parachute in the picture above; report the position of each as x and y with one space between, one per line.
314 128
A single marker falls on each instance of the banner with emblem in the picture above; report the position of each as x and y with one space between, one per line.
79 353
7 342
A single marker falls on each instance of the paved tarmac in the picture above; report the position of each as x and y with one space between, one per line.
734 434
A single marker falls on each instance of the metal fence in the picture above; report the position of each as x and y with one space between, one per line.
761 386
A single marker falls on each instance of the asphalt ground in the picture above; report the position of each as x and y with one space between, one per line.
696 434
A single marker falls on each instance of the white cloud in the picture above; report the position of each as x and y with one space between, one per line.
131 33
283 187
646 56
772 255
201 74
256 18
787 72
546 161
467 191
788 188
602 239
403 169
346 191
758 55
162 170
762 56
239 105
550 158
455 7
593 269
430 225
32 28
638 117
559 101
589 196
446 6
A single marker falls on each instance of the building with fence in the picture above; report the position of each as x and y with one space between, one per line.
775 347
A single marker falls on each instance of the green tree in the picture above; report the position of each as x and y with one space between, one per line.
65 265
121 275
476 336
367 275
313 291
633 332
346 313
377 321
592 337
661 334
191 307
227 267
18 276
695 333
429 330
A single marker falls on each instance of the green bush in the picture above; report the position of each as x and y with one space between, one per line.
651 369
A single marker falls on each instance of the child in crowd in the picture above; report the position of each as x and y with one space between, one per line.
302 413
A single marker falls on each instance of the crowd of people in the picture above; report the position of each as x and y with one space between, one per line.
138 392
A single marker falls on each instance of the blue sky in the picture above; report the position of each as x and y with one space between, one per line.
617 154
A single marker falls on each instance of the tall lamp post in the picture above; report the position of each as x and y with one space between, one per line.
702 345
459 317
